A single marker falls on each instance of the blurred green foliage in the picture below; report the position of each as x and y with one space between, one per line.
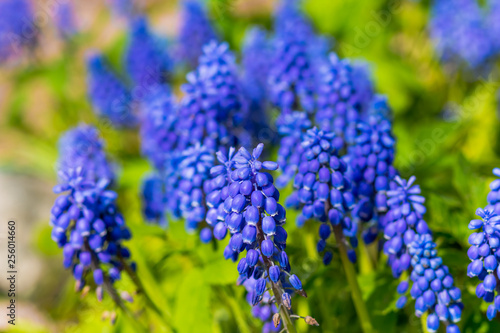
452 158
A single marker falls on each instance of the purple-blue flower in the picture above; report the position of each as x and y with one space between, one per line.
82 147
88 225
322 191
109 96
196 30
18 29
65 20
146 59
483 251
244 203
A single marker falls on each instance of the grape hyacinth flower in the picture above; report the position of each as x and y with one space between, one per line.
158 126
343 91
402 222
291 128
265 310
65 20
154 199
433 286
108 94
18 29
256 52
82 146
146 58
194 183
322 191
213 106
89 227
370 158
292 77
460 33
244 201
196 30
483 254
494 195
123 8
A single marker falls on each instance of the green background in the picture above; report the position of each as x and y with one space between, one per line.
446 127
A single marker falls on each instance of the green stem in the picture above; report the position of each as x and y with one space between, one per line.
350 273
423 322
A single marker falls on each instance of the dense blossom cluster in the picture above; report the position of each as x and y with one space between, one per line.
292 74
18 30
196 30
265 310
409 245
322 191
371 170
86 221
109 95
343 92
146 59
483 252
244 201
433 286
214 105
292 128
461 33
402 222
256 55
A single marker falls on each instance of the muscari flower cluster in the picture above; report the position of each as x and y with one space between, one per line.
291 79
256 52
433 286
65 20
484 253
146 59
342 92
371 171
214 106
244 201
18 31
409 245
461 34
82 146
109 95
322 191
291 128
87 223
196 31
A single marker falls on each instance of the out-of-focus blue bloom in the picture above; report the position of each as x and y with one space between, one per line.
483 252
213 106
124 8
18 30
460 33
108 94
321 190
146 58
433 286
402 222
256 55
291 128
370 158
196 30
493 22
82 147
154 199
158 126
494 195
65 20
292 75
244 202
87 223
